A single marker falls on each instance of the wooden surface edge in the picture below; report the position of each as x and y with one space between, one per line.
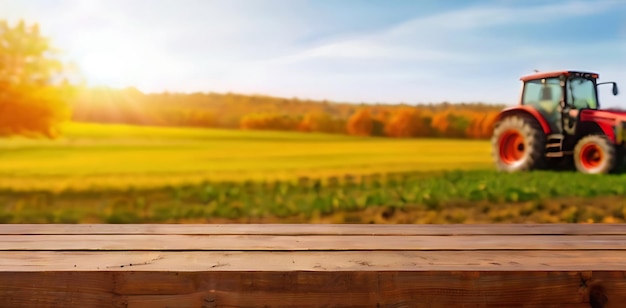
316 229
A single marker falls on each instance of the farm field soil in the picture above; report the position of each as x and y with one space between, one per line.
605 209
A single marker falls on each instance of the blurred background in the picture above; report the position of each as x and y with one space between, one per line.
294 111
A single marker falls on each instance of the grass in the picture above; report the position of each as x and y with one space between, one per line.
94 156
419 197
127 174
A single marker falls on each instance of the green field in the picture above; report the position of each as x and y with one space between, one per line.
126 174
92 156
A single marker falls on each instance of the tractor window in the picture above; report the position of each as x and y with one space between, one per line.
581 93
544 94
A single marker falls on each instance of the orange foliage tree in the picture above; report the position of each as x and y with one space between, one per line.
33 91
409 122
488 124
361 123
481 125
321 122
451 124
269 122
104 105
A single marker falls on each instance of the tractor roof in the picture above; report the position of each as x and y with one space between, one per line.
541 75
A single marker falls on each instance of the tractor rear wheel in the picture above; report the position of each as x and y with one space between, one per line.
518 144
595 154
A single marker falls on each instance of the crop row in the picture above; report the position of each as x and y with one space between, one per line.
305 198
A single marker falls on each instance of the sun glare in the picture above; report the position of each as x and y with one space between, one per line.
101 68
124 65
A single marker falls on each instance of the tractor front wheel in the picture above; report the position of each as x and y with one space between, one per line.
518 144
595 154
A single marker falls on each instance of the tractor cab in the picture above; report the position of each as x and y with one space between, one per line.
560 96
557 111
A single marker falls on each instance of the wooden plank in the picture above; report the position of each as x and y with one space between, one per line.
313 265
313 289
311 242
49 289
316 229
259 261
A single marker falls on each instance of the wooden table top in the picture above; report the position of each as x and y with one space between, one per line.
557 247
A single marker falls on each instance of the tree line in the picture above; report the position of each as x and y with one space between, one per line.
258 112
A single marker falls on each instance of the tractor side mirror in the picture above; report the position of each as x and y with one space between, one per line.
615 91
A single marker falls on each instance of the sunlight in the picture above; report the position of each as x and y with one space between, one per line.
102 68
108 66
113 59
119 62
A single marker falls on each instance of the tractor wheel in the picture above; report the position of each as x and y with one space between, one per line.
595 154
518 144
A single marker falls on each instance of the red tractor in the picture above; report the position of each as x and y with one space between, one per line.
559 121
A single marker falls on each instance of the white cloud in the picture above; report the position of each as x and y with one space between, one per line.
435 37
481 16
451 55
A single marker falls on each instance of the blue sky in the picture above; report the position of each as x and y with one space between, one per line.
386 51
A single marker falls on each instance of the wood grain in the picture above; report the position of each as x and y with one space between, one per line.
311 289
259 261
171 242
313 265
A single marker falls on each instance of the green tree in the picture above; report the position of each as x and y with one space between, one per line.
34 91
